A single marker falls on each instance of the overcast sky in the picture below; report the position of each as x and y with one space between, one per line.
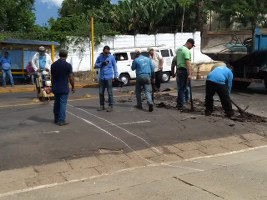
45 9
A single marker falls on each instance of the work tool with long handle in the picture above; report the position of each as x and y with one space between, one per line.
240 110
191 97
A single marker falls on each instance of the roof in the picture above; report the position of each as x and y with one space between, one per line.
29 42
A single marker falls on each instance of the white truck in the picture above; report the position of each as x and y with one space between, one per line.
125 57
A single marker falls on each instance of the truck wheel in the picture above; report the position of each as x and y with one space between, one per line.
240 84
165 77
125 78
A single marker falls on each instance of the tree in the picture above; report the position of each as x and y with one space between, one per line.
250 13
78 7
17 15
184 4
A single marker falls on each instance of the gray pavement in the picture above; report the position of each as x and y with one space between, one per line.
37 153
236 176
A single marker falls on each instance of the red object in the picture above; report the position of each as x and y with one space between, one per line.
48 90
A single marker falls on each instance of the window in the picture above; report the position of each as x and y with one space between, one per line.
165 53
121 56
171 52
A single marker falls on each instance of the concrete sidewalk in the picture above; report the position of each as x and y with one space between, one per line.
232 176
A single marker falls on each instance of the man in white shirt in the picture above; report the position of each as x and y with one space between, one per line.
41 60
157 62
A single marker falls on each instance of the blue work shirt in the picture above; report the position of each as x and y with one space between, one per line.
60 71
222 75
109 71
143 66
6 63
42 62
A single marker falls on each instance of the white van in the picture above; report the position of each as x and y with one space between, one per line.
125 57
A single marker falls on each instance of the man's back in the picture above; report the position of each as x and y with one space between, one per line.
60 71
143 66
220 75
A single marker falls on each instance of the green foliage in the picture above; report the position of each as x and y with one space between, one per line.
249 13
128 17
16 15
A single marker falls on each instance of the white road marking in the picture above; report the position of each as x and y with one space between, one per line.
138 122
49 132
119 127
107 132
125 170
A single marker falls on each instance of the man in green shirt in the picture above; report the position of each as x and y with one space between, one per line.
183 71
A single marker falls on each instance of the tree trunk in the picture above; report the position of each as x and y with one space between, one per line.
182 27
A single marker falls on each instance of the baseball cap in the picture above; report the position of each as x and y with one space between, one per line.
106 48
192 41
137 50
149 49
41 48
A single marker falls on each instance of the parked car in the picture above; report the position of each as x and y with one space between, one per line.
125 57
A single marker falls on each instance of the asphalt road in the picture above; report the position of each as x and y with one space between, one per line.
29 137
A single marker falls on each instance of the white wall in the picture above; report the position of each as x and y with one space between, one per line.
81 60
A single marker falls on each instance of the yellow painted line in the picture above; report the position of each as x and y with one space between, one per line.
20 103
33 89
17 105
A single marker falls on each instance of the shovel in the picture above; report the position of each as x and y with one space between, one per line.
191 98
240 110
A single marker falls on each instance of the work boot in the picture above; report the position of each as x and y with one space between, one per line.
138 107
207 112
101 108
109 109
230 114
150 109
62 123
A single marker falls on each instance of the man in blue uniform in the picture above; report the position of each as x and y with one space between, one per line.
144 74
219 81
6 69
108 70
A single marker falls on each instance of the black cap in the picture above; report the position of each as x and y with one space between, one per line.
192 41
106 48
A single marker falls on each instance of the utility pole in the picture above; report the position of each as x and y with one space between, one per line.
93 47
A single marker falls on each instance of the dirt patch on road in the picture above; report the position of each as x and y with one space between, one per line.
168 101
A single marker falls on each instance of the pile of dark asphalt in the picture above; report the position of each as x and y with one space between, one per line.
167 101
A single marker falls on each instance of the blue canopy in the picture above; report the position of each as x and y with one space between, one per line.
29 42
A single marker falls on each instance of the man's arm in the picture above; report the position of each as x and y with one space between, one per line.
133 67
173 65
48 62
71 78
33 62
230 81
160 62
189 69
115 68
98 63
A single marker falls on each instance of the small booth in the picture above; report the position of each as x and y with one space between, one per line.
22 51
